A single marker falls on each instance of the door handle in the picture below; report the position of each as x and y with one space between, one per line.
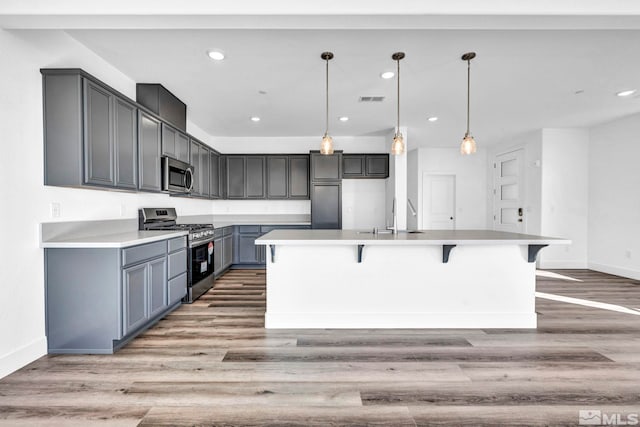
451 218
520 212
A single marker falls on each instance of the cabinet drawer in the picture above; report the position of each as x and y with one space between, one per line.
177 263
143 252
227 231
218 232
177 288
177 244
249 228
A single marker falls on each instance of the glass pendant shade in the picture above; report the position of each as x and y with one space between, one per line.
326 146
468 145
397 146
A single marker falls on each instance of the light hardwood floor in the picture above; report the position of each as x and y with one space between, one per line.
213 363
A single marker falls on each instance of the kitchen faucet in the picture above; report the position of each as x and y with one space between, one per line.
394 226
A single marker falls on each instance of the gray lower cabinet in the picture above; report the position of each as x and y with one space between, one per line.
246 252
90 133
149 149
98 299
223 250
175 143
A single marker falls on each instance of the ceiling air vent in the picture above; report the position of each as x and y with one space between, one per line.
371 99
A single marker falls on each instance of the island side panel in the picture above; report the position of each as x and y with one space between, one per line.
324 286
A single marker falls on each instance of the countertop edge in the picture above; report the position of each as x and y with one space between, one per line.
103 242
421 242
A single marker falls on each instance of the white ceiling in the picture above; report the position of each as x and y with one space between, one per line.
533 56
521 80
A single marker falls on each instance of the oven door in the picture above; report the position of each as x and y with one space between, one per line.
200 269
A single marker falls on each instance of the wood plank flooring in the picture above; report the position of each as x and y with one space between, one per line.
213 363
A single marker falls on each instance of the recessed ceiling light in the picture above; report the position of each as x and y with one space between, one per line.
433 119
216 55
387 75
343 119
626 92
255 119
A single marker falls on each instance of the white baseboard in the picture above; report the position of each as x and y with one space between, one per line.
400 320
561 265
612 269
22 356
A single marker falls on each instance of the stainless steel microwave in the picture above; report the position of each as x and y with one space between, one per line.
177 176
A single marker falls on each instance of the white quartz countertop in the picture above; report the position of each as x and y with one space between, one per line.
115 240
426 237
220 221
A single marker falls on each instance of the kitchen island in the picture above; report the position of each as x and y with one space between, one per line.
427 279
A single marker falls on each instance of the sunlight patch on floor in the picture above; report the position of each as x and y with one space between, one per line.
587 303
552 275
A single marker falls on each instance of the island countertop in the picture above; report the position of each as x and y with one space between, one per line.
403 238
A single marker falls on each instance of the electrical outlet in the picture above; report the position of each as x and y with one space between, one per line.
55 210
627 253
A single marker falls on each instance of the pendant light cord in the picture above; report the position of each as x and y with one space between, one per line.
468 91
398 128
327 97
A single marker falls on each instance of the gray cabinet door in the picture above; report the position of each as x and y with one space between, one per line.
98 141
214 175
353 165
298 177
195 160
204 171
227 255
235 177
326 205
126 144
148 152
326 167
218 251
168 141
277 177
134 292
182 147
255 174
377 165
157 282
247 249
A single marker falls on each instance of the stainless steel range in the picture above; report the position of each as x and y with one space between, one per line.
200 243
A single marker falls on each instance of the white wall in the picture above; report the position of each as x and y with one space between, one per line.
565 177
614 197
363 203
291 144
471 186
413 176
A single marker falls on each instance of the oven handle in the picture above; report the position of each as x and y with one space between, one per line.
200 243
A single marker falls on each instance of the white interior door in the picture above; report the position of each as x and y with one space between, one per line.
438 202
508 192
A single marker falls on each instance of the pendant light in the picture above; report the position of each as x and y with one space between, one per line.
326 146
397 147
468 145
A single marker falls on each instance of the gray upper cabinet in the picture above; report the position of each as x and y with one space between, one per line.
195 160
175 143
235 177
214 175
200 162
365 166
326 167
90 133
149 150
298 177
126 144
203 163
277 177
98 130
255 174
